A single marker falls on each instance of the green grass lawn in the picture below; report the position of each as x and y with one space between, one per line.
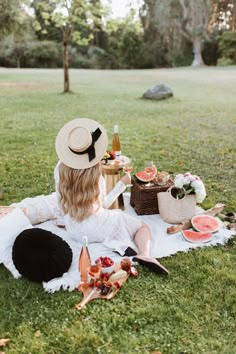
194 309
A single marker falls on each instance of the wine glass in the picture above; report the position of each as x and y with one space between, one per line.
94 269
128 168
148 168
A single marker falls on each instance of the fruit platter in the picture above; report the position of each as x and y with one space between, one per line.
151 174
110 159
109 281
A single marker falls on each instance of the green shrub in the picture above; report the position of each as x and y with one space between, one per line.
131 44
148 57
180 56
225 61
43 54
227 47
30 54
99 58
210 52
12 52
78 59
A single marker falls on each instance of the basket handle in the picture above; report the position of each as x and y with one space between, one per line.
170 189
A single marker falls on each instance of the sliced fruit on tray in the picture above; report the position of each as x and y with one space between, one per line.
143 176
205 223
196 237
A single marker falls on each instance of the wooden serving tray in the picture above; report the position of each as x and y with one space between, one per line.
91 292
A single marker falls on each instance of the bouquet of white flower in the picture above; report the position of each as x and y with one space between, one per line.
190 184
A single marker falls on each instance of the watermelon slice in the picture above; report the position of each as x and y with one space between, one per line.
205 223
143 176
196 237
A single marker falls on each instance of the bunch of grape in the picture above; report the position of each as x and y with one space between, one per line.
105 285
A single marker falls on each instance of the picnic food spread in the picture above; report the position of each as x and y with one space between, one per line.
104 278
106 285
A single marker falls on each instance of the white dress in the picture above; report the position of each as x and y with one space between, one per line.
113 228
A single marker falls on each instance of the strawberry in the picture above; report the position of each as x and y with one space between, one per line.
117 284
97 283
106 261
112 155
134 272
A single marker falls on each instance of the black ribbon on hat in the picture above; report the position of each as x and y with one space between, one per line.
90 150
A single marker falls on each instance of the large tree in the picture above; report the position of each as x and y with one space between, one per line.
175 20
195 20
76 19
163 29
10 15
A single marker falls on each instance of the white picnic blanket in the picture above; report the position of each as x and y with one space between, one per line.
162 244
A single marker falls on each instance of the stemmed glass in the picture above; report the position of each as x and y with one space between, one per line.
128 168
94 269
148 168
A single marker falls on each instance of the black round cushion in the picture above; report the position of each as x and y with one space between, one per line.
40 255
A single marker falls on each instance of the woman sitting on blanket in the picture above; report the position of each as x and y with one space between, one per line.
80 146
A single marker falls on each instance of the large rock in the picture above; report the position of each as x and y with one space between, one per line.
158 92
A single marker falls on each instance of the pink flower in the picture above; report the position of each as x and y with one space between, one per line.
188 178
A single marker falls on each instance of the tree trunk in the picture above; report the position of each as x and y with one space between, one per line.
18 62
66 37
234 19
197 52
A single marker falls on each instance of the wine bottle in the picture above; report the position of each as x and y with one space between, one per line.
116 142
84 261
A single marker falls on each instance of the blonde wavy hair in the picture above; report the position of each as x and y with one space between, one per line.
79 190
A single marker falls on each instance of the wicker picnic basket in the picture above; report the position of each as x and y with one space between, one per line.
144 198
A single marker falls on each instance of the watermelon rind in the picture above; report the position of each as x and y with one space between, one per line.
144 176
205 223
196 236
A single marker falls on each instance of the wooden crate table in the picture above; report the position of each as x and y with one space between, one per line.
144 198
111 174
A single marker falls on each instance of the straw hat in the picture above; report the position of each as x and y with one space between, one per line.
81 143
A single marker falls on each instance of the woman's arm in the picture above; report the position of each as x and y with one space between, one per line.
119 188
